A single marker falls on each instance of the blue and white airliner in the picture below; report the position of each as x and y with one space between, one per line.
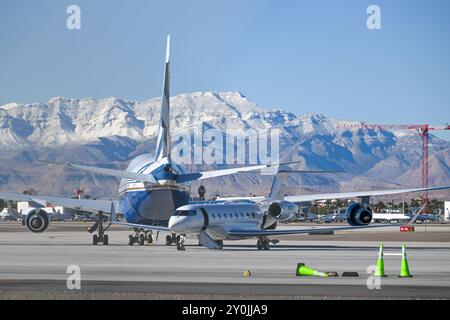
154 195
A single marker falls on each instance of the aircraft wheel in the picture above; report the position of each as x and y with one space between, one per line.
141 239
220 242
150 239
168 240
259 245
105 240
130 240
266 245
94 239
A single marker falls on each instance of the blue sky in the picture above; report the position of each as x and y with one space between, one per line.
301 56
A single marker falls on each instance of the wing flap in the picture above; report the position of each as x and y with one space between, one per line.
262 233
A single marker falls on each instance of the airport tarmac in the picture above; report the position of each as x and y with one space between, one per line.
35 265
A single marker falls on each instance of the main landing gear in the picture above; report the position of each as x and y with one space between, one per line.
176 239
140 237
263 244
100 237
171 239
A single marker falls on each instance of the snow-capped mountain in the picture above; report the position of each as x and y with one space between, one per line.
110 132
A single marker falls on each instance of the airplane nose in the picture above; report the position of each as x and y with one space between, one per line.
175 224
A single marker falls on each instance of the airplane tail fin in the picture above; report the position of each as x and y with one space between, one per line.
163 143
279 186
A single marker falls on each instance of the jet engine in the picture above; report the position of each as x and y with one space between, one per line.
282 210
37 220
359 214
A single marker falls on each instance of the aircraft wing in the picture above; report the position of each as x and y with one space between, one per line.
142 226
78 204
338 195
342 195
266 233
107 206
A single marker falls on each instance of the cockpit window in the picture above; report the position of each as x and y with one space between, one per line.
184 213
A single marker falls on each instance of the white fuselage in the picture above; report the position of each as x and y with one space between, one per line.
218 219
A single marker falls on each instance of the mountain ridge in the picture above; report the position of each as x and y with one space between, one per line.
111 131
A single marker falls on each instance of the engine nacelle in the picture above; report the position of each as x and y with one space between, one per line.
282 210
359 214
37 220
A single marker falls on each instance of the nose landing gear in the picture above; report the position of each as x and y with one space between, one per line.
171 239
101 237
263 244
180 242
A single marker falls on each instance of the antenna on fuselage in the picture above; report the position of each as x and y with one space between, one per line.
163 143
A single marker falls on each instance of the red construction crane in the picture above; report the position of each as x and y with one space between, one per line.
423 133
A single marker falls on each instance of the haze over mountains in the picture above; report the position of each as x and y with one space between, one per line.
110 132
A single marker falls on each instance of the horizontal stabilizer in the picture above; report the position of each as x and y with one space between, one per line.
188 177
109 172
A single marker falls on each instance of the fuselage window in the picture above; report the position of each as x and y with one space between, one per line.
213 216
236 215
253 215
184 213
248 215
242 215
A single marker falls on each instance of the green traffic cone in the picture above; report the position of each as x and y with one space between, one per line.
303 270
404 268
379 271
